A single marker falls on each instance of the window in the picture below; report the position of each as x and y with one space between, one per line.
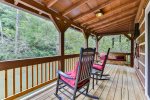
24 35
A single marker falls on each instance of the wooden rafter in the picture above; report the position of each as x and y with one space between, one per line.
93 10
112 12
51 2
114 17
79 3
113 22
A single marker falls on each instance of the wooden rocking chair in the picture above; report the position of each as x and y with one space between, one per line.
79 79
98 69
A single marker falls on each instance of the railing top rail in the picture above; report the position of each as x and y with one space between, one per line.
4 65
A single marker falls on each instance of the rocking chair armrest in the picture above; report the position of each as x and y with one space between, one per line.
98 64
64 75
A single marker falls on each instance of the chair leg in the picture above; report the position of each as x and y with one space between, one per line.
93 81
87 88
96 78
57 86
74 94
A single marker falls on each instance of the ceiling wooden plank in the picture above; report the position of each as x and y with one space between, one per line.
114 22
78 4
113 18
114 11
118 25
113 33
93 10
51 2
115 29
110 26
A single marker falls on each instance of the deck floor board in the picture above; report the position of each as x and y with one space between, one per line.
123 85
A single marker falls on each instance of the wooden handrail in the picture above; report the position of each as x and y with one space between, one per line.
4 65
40 66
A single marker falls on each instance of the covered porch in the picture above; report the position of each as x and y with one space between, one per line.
35 78
123 85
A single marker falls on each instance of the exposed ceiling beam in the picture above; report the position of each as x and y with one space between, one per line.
114 22
114 17
114 11
94 9
78 4
51 2
125 22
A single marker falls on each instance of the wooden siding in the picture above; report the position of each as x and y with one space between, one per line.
139 62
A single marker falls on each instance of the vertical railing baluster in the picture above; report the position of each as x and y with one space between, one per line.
27 77
14 81
20 79
72 63
49 71
6 84
32 77
37 74
67 61
45 73
52 70
41 74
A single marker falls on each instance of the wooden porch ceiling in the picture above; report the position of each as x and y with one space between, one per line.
119 15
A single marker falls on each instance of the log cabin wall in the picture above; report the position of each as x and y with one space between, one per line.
139 61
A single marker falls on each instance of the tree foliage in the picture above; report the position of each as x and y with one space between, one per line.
38 37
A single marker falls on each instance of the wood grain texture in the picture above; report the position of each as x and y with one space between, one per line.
123 85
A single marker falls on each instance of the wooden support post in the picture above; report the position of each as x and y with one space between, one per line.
86 37
132 51
132 48
97 44
61 26
86 42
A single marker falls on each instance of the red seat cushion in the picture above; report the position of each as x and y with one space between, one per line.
102 56
99 67
71 82
73 74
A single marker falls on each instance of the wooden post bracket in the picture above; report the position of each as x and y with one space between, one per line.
129 37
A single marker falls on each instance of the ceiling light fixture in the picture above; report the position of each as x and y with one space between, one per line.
99 13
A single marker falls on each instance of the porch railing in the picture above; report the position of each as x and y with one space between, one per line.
20 77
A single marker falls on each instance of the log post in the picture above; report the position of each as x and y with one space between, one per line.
98 38
86 37
132 48
132 51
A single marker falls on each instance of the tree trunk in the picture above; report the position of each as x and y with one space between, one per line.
17 32
1 32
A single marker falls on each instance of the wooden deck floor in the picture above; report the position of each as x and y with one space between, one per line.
123 85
